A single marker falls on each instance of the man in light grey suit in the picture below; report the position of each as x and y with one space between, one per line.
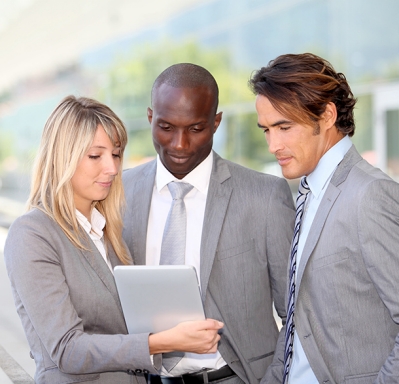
239 227
344 269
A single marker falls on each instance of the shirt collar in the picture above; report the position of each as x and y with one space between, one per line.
199 177
97 223
326 166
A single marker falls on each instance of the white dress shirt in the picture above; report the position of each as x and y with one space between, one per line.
95 231
195 202
318 180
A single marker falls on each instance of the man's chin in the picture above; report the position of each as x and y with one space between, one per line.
290 175
178 172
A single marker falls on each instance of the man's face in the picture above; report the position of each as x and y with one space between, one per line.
298 148
183 122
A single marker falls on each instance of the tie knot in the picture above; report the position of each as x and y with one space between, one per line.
303 188
179 190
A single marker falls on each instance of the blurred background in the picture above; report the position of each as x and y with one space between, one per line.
112 50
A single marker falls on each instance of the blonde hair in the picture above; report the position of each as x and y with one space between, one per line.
67 136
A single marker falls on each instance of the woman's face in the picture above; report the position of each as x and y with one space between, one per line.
96 171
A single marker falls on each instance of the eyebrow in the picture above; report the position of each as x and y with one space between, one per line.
199 122
280 122
117 146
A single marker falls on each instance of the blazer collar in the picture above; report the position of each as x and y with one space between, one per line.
351 158
217 201
141 208
99 265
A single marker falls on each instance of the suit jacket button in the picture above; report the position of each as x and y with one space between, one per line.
130 372
145 371
138 371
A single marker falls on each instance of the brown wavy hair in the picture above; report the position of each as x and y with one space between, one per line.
300 86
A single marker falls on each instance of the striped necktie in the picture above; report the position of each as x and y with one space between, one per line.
303 191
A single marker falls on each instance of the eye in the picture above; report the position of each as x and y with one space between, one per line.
94 157
116 155
285 128
196 129
265 130
165 127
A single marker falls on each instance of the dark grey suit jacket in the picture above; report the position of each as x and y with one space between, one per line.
347 306
69 307
245 244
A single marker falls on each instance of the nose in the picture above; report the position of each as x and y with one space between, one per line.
180 139
112 165
274 141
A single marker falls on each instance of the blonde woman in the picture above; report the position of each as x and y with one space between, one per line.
60 257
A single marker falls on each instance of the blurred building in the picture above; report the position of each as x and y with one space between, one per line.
113 50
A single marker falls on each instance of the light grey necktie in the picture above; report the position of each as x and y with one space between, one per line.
173 247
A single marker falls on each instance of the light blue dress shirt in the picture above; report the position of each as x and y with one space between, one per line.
318 180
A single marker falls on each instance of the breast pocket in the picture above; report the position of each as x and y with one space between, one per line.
367 378
328 260
236 250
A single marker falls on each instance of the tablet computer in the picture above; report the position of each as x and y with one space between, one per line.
157 298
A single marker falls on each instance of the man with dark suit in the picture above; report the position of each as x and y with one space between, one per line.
238 228
343 303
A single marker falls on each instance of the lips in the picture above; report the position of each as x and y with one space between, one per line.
105 184
179 159
283 160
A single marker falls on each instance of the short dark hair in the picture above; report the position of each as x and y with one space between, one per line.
187 75
300 86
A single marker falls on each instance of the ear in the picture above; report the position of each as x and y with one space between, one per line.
329 116
218 119
149 114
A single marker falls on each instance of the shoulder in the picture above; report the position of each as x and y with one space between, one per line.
34 226
355 172
368 186
33 219
143 170
364 176
31 235
243 175
250 187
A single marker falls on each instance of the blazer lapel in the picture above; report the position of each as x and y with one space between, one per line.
141 208
341 173
215 211
96 261
326 204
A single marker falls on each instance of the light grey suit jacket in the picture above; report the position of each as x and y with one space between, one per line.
347 305
246 237
69 307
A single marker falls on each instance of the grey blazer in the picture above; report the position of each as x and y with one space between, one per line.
347 306
69 307
245 244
